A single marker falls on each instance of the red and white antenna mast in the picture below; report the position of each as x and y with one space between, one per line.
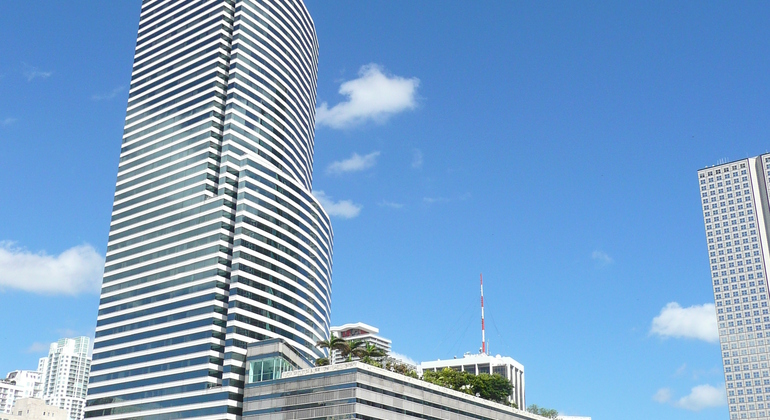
483 338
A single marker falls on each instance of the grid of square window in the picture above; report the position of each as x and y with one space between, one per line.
736 257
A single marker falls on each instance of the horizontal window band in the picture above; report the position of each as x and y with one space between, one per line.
167 318
159 344
211 297
95 367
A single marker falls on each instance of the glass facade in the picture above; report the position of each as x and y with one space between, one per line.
216 240
267 369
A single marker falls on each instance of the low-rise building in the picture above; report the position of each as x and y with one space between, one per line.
484 363
19 384
281 385
34 409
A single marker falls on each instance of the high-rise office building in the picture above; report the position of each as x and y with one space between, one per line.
64 375
215 240
735 211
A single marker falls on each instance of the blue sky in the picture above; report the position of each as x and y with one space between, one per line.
551 146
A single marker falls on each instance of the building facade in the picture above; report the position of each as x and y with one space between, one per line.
483 363
735 212
28 408
353 390
359 331
64 375
216 240
19 384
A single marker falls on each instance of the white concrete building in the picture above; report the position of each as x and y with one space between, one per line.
735 202
573 418
34 409
65 373
19 384
483 363
358 331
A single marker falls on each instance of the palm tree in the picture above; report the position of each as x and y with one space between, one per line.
334 343
353 346
370 351
371 354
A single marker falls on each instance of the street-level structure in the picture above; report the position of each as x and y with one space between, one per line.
476 363
734 197
216 239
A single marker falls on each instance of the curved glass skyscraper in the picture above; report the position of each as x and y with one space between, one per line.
215 240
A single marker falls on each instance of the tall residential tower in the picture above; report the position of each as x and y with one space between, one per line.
735 211
216 240
64 375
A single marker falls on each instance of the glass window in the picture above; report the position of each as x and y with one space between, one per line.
268 369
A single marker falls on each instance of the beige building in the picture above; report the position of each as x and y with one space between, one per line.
34 409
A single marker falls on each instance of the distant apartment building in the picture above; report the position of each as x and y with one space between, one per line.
18 384
65 374
281 384
34 409
358 331
735 202
484 363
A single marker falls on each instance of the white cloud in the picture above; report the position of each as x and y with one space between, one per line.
386 203
345 209
374 95
601 257
109 95
74 271
702 396
38 347
67 332
403 358
681 370
417 159
32 73
662 396
7 121
353 164
697 321
434 200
